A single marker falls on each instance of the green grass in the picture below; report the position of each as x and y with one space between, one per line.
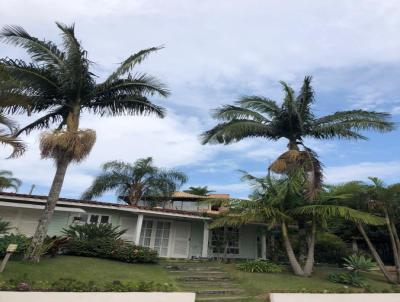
254 284
263 283
86 269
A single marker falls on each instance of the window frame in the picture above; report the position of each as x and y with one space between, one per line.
100 216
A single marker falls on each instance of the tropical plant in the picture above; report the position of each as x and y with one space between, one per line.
358 263
201 191
92 231
7 137
20 240
135 182
259 266
59 85
293 120
5 226
9 182
355 264
282 202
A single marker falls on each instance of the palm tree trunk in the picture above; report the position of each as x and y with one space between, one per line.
375 254
394 245
308 267
396 238
35 248
297 270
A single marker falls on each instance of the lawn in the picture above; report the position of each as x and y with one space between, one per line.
86 269
254 284
261 283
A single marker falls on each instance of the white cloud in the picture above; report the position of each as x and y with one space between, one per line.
389 171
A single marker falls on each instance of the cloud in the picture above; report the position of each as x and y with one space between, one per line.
389 171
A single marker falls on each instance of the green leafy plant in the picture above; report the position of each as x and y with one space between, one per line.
358 263
94 231
259 266
352 279
5 226
21 240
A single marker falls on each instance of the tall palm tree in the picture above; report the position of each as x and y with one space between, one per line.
9 182
282 203
135 182
201 191
293 120
58 84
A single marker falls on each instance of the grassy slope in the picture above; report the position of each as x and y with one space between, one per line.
86 269
260 283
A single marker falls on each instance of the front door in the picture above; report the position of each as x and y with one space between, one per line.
155 234
181 239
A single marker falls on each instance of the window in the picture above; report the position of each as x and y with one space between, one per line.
97 219
225 238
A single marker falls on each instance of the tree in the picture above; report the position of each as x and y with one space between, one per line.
201 191
381 200
9 182
58 84
281 202
135 182
293 120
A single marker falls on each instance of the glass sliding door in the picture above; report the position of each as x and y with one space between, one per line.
155 234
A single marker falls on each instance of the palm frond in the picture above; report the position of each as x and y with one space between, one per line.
40 51
229 112
18 146
131 62
260 104
237 130
331 211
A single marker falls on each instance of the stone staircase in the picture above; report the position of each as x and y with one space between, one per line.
208 280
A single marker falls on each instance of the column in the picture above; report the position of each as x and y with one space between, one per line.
263 247
206 232
138 229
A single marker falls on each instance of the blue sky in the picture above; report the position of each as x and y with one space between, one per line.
216 51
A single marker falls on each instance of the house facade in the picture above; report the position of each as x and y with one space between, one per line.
178 229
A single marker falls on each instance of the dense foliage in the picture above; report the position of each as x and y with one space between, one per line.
330 248
72 285
93 231
104 241
5 226
21 240
259 266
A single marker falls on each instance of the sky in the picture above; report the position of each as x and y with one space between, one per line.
215 52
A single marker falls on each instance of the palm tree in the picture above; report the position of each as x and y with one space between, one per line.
201 191
293 120
59 85
281 202
381 200
135 182
9 182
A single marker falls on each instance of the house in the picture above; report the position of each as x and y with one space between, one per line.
177 229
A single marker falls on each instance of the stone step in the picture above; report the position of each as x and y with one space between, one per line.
191 268
226 298
205 284
204 278
198 272
223 291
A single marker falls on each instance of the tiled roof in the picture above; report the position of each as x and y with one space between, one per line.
110 204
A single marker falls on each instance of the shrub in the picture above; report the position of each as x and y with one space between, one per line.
5 226
111 249
54 246
94 231
358 262
355 263
353 279
21 240
330 248
259 266
73 285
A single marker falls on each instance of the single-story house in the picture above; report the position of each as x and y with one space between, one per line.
178 229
